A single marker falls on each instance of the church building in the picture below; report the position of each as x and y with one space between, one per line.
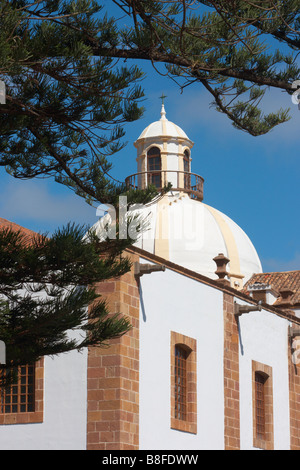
212 361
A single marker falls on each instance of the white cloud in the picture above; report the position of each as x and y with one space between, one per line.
43 203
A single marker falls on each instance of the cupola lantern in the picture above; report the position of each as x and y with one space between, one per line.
164 156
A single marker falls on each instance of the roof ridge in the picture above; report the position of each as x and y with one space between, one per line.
13 225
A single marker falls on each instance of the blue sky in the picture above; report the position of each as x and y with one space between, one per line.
253 180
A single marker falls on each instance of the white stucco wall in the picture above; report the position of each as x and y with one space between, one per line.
65 398
65 406
172 302
264 338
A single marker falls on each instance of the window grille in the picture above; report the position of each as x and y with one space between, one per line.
180 383
20 396
260 381
183 383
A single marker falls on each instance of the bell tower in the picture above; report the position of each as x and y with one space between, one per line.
164 155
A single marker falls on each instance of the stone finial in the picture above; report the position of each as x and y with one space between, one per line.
221 262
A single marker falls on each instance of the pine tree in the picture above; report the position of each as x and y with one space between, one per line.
49 303
65 108
62 117
237 50
68 97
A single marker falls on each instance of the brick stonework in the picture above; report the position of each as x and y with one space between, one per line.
294 383
231 376
113 374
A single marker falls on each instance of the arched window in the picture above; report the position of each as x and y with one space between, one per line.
154 167
181 355
260 404
263 428
186 169
183 383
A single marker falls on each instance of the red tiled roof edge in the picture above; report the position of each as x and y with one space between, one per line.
4 223
279 280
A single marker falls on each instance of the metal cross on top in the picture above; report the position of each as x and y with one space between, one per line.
162 97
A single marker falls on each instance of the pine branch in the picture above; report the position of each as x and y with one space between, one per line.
46 291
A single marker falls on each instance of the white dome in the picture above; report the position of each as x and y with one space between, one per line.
191 234
163 127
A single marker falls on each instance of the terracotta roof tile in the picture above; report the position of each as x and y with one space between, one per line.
8 224
279 280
